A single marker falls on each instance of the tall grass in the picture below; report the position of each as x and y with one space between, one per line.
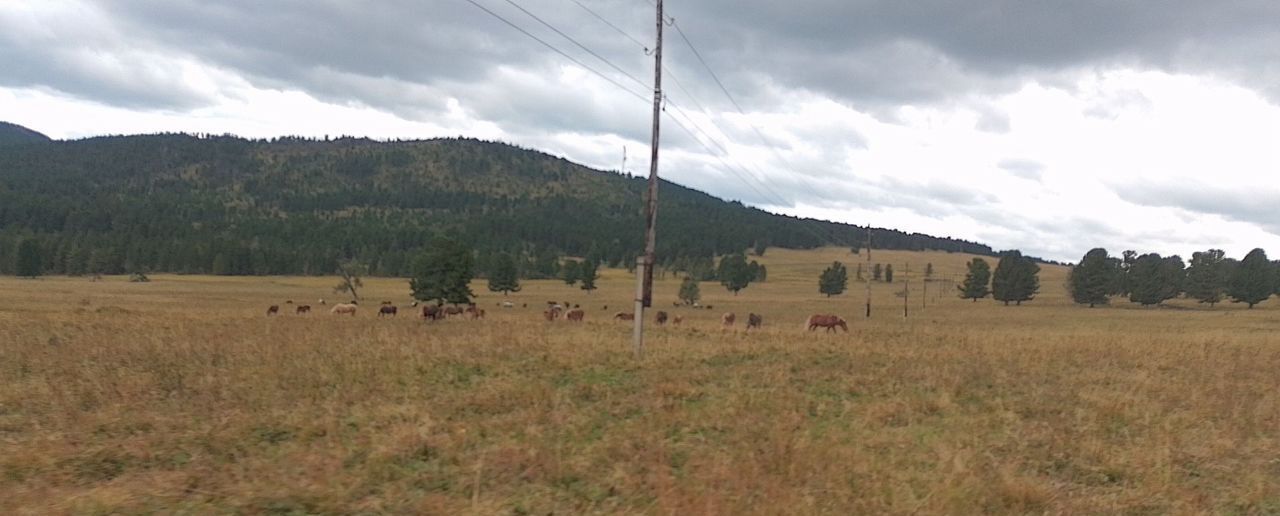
181 396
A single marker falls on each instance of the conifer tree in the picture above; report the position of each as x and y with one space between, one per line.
570 272
28 261
689 293
834 280
976 280
1151 280
503 276
443 273
734 273
1094 278
587 274
1253 280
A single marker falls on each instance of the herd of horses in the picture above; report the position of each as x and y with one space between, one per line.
556 311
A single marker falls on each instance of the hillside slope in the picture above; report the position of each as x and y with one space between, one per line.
13 134
228 205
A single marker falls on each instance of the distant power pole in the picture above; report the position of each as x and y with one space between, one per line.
644 265
868 271
906 288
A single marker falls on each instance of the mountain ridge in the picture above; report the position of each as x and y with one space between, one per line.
177 202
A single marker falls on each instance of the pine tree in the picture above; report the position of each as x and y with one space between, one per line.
734 273
834 280
570 272
28 261
876 272
351 275
888 273
503 276
587 275
1252 281
760 248
221 265
1016 278
443 273
689 291
1173 276
1148 278
976 280
1094 278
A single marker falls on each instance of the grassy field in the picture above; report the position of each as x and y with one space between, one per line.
181 396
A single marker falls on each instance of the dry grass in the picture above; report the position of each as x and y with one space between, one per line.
181 396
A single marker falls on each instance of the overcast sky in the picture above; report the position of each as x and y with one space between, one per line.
1050 127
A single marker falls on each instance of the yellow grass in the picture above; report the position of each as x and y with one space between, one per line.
180 395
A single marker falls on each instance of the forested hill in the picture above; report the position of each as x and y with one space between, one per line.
11 134
227 205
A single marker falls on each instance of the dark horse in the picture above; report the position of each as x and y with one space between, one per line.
830 322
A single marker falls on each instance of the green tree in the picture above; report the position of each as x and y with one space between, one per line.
1149 280
877 272
888 273
221 265
734 273
571 272
1252 281
587 273
443 273
351 275
834 280
28 262
503 275
1094 278
1016 278
976 280
760 248
689 293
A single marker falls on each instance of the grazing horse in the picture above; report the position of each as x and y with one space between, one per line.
676 320
474 311
575 315
303 309
344 309
387 310
660 318
451 311
553 312
828 321
624 316
754 321
727 319
432 312
273 309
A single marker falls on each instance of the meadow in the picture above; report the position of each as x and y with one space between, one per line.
181 396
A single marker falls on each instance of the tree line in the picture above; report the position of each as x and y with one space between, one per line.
1150 279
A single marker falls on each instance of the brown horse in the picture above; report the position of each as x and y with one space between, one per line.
676 320
624 316
727 319
387 311
660 318
828 321
755 321
451 311
273 309
553 312
432 312
575 315
474 312
303 309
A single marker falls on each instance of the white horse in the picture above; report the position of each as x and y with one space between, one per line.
344 309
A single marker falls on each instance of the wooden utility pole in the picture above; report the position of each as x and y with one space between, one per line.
644 265
869 277
906 288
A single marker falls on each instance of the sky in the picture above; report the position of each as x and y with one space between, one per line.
1050 127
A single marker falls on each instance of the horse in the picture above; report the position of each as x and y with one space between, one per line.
432 312
474 311
828 321
727 319
575 315
553 312
303 309
508 304
387 310
676 320
624 316
344 309
660 318
755 321
451 311
273 309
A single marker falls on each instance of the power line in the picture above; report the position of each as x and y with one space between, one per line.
614 27
575 42
557 50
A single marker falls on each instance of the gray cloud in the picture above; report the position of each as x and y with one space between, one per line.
1259 206
1028 169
